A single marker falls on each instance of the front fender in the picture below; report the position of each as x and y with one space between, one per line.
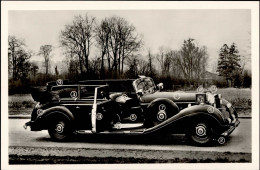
196 111
206 110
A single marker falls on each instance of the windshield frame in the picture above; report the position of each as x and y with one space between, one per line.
148 91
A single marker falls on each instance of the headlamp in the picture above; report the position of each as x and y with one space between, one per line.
200 89
39 112
213 89
201 98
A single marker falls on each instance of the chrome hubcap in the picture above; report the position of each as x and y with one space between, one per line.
59 128
161 116
200 130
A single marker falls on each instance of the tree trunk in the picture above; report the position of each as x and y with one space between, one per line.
119 63
122 70
14 64
87 54
227 83
102 65
123 57
46 65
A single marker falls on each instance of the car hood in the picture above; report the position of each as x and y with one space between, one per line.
174 96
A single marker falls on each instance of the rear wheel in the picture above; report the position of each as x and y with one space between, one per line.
60 129
200 133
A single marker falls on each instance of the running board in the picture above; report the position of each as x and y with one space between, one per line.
139 131
127 126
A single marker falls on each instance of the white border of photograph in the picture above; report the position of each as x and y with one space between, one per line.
125 5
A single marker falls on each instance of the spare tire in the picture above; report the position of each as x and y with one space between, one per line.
160 111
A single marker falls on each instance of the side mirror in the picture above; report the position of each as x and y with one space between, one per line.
140 92
160 86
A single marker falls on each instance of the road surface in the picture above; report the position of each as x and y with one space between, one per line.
38 145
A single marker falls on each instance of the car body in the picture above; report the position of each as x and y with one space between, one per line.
93 107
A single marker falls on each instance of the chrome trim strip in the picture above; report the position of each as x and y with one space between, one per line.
77 104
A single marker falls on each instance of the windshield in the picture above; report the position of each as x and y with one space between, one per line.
145 84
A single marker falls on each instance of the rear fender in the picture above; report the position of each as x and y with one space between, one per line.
63 110
57 111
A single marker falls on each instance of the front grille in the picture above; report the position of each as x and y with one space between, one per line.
225 113
34 114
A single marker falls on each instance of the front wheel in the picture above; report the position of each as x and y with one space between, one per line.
60 129
200 133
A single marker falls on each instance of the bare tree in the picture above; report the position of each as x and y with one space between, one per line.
23 65
45 51
73 69
94 68
200 62
18 59
160 58
102 36
246 58
150 66
132 63
192 60
77 37
129 42
56 71
34 69
175 69
15 46
164 59
118 40
143 67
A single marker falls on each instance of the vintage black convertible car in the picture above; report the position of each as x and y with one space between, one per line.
142 108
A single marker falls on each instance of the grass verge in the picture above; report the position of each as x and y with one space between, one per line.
20 104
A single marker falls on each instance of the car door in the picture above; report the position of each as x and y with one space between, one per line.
70 97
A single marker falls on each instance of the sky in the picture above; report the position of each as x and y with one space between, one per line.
168 28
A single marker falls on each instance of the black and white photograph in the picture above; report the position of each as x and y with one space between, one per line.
130 85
